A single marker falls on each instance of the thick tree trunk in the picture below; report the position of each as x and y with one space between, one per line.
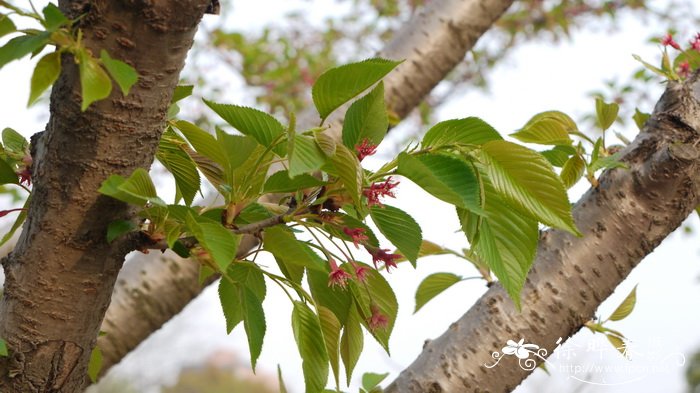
622 221
60 276
432 43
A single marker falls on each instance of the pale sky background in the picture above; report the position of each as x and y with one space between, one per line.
536 77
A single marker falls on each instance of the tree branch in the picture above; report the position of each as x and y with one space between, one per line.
622 221
433 42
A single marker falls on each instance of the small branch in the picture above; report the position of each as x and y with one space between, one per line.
191 241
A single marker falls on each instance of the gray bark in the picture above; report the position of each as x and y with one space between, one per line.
432 43
622 221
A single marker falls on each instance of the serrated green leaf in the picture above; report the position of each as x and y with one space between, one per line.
45 74
383 298
7 174
230 299
18 222
651 68
527 181
326 143
21 46
95 84
213 237
400 229
432 286
626 307
366 119
138 189
14 142
253 322
306 157
506 240
572 171
249 275
95 364
309 339
7 26
618 343
181 92
261 126
182 167
282 244
124 74
280 182
445 177
118 228
547 128
372 380
640 118
3 348
558 155
606 113
349 171
339 85
351 343
203 142
468 131
53 17
330 326
608 162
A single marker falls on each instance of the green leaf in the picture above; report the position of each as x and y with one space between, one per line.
400 229
18 222
21 46
181 92
366 119
230 303
506 240
558 155
371 380
626 307
383 298
608 162
547 128
336 299
94 81
618 343
138 189
15 142
326 143
339 85
351 343
261 126
280 182
432 286
118 228
253 322
468 131
203 142
330 326
53 17
651 68
445 177
283 245
3 348
426 248
7 174
177 162
124 74
640 118
528 182
45 74
95 364
7 26
349 171
309 339
306 156
217 240
572 171
606 114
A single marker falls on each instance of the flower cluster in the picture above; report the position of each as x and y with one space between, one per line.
382 255
365 149
356 234
380 189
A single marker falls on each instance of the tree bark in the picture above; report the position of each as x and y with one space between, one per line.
622 221
432 43
60 276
